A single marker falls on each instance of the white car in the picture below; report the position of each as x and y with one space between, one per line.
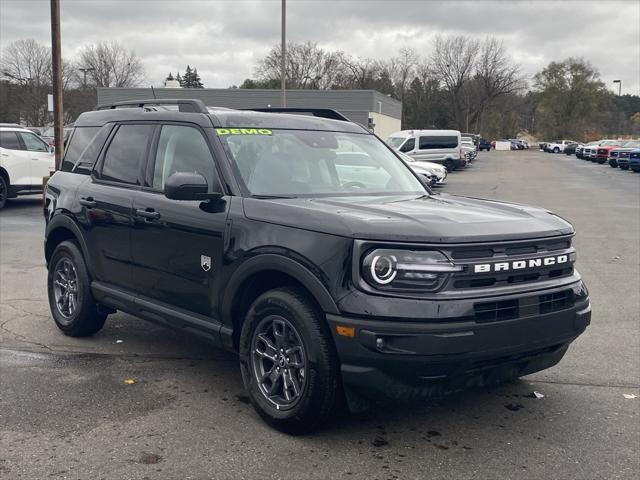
435 171
558 146
468 148
25 159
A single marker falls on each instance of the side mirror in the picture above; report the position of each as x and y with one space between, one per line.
188 186
52 149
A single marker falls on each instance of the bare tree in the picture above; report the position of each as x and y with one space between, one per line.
496 74
453 61
307 66
27 65
112 65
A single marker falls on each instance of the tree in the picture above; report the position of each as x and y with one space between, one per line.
112 64
306 66
453 61
26 66
573 99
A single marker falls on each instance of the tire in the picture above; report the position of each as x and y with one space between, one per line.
613 164
624 167
556 150
4 191
289 311
78 316
449 165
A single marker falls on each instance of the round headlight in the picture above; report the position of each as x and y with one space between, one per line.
383 269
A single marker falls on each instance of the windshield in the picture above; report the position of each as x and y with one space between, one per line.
632 144
317 163
395 142
466 140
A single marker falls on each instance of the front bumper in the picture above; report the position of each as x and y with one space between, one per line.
404 360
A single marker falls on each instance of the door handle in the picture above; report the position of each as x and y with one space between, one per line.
148 213
88 202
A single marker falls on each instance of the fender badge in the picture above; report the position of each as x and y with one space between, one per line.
205 263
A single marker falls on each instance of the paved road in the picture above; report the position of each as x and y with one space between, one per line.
66 413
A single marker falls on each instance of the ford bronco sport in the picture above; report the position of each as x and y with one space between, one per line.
304 243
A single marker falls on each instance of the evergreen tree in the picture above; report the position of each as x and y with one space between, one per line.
179 79
187 78
196 81
169 77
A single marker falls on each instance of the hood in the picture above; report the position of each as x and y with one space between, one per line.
423 164
434 219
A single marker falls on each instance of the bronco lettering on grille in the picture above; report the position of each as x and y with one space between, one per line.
520 264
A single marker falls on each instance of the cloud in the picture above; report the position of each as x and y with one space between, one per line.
226 39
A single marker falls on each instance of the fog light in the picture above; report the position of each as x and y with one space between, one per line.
380 343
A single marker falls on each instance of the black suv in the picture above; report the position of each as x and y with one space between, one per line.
305 244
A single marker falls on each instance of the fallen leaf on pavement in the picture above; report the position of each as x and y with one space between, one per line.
129 381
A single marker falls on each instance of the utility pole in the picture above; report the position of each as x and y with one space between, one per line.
56 57
283 55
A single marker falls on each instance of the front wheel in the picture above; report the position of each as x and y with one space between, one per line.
556 150
70 300
288 361
449 165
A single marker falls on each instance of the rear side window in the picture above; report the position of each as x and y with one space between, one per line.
409 145
125 153
9 140
83 148
439 141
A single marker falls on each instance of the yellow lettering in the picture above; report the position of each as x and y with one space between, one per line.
264 131
222 131
249 131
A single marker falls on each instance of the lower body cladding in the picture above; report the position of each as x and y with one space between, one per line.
498 339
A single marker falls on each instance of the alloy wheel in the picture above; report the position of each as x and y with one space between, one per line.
65 287
279 362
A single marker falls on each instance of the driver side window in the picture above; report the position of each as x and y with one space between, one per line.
182 149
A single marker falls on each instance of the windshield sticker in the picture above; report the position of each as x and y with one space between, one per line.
243 131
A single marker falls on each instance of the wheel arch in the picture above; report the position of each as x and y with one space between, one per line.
5 174
265 272
59 229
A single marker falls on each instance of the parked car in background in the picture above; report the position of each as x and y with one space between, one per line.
25 159
469 149
518 143
602 151
48 135
484 144
634 159
571 149
434 173
438 146
620 155
542 146
582 150
558 146
592 152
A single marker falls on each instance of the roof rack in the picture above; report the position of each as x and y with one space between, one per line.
187 105
316 112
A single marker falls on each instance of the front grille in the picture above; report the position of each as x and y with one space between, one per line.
486 312
623 155
602 151
469 256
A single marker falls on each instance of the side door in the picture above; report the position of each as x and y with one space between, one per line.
106 201
15 159
177 245
42 161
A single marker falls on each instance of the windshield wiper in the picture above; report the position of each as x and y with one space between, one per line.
273 196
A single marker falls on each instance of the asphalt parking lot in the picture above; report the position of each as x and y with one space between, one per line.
65 411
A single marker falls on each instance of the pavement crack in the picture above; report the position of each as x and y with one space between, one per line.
588 384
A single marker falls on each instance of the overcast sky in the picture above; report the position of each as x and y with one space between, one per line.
225 39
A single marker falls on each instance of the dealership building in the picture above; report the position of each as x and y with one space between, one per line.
367 107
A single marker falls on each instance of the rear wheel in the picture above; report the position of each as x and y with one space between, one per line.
450 165
4 191
288 361
72 306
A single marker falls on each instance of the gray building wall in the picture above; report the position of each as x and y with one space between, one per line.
354 104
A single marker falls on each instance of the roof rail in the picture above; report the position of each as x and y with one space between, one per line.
10 125
315 112
184 105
